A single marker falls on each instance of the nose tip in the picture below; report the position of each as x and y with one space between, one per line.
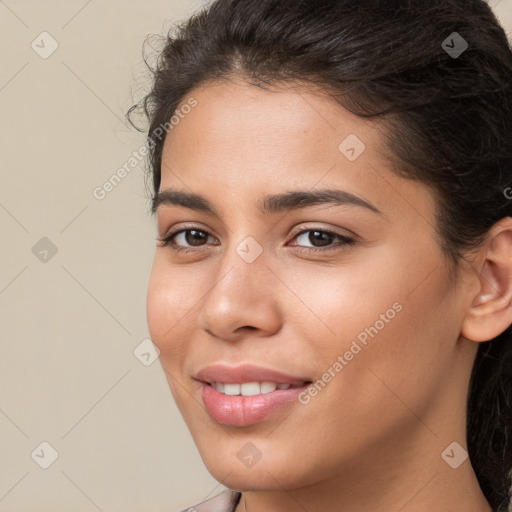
235 307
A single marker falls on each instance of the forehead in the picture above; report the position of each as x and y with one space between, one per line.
241 142
294 121
243 132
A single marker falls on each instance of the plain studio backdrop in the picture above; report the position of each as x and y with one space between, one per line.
87 420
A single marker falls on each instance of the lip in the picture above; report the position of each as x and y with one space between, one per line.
247 373
242 411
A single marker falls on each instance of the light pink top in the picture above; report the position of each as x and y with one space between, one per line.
226 501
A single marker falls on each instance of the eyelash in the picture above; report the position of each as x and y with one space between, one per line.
167 241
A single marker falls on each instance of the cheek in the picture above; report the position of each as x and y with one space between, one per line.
167 304
382 314
169 312
158 307
406 359
342 303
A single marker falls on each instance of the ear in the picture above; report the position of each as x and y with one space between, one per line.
491 310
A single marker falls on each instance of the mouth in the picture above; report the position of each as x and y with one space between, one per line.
246 394
253 388
248 403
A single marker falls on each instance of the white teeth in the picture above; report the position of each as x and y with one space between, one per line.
268 387
231 389
248 388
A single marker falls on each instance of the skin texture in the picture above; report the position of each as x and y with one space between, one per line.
372 439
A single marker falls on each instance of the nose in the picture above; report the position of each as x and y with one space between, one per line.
243 297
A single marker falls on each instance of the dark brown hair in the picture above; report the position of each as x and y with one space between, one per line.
448 120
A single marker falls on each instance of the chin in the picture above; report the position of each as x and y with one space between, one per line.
244 481
271 475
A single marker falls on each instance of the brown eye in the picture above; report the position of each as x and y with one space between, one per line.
188 238
319 238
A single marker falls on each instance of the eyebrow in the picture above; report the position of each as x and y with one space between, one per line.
273 203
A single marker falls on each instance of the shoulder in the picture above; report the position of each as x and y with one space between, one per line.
223 502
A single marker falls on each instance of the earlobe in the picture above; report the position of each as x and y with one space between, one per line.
490 312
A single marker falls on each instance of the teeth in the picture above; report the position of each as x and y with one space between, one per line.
248 388
231 389
268 387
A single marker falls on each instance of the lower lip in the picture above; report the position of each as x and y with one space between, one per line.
241 411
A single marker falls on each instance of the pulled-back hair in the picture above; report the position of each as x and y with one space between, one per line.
448 121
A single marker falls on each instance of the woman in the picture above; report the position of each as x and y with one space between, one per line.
332 284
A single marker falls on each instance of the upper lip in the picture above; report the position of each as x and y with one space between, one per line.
246 373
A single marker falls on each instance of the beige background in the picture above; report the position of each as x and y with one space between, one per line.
72 320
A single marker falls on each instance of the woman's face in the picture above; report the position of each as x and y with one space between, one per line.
373 322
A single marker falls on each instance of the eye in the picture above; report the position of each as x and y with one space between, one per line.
324 238
192 236
195 236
